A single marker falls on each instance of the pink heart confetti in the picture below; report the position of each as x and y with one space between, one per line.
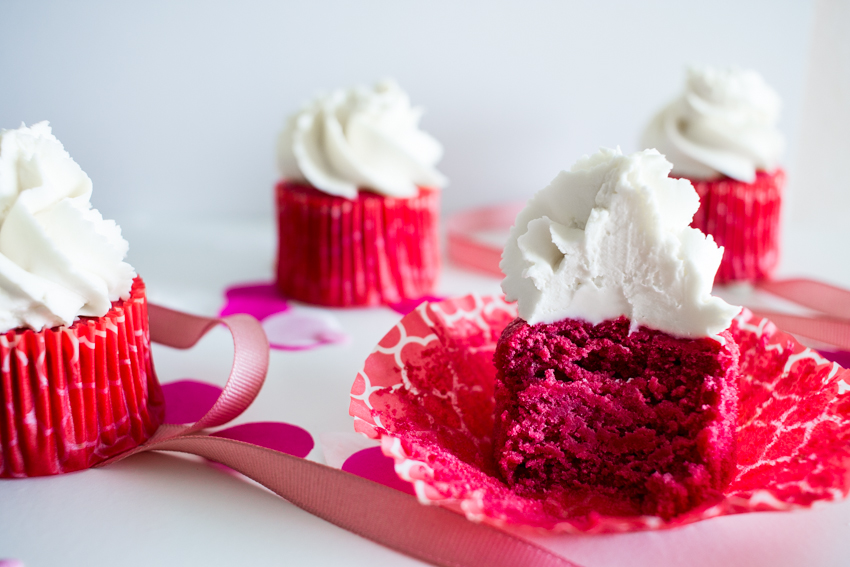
372 464
842 357
287 327
259 300
187 401
405 306
303 328
283 437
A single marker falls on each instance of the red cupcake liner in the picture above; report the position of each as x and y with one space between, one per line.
744 219
372 250
71 397
426 392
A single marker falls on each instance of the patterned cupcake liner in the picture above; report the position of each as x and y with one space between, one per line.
426 392
369 251
71 397
744 219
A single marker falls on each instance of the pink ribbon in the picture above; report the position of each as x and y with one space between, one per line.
465 250
831 325
376 512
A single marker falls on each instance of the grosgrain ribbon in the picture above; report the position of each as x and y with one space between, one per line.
831 325
465 250
371 510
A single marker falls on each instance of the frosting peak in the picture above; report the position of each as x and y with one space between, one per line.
610 237
59 259
360 138
723 123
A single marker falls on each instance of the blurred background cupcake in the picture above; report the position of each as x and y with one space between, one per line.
358 202
721 134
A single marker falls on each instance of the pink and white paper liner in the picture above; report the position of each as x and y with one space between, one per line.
426 394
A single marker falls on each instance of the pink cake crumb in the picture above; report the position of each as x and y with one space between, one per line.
633 423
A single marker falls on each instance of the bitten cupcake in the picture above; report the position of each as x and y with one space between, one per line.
721 134
618 381
77 384
358 203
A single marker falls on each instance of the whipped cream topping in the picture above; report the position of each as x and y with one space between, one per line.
59 259
360 138
610 237
724 123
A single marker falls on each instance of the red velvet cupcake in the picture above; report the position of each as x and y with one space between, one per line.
370 250
426 393
358 206
643 419
77 384
721 135
616 387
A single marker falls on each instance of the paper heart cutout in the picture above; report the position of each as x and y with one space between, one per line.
302 328
187 401
405 306
259 300
372 464
287 327
282 437
841 357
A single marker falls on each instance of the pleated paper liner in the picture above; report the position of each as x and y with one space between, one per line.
372 250
426 392
744 219
74 396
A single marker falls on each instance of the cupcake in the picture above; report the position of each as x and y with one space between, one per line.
77 384
358 202
721 134
618 380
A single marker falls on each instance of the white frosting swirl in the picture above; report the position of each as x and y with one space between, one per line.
611 237
360 138
723 123
59 259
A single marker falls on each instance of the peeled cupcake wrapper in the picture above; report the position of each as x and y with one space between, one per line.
426 392
744 219
369 251
75 396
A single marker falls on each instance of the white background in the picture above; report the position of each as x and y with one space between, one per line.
173 110
174 107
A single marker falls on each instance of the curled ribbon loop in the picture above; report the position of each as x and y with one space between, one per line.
250 364
371 510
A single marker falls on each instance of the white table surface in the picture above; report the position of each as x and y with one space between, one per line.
161 509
